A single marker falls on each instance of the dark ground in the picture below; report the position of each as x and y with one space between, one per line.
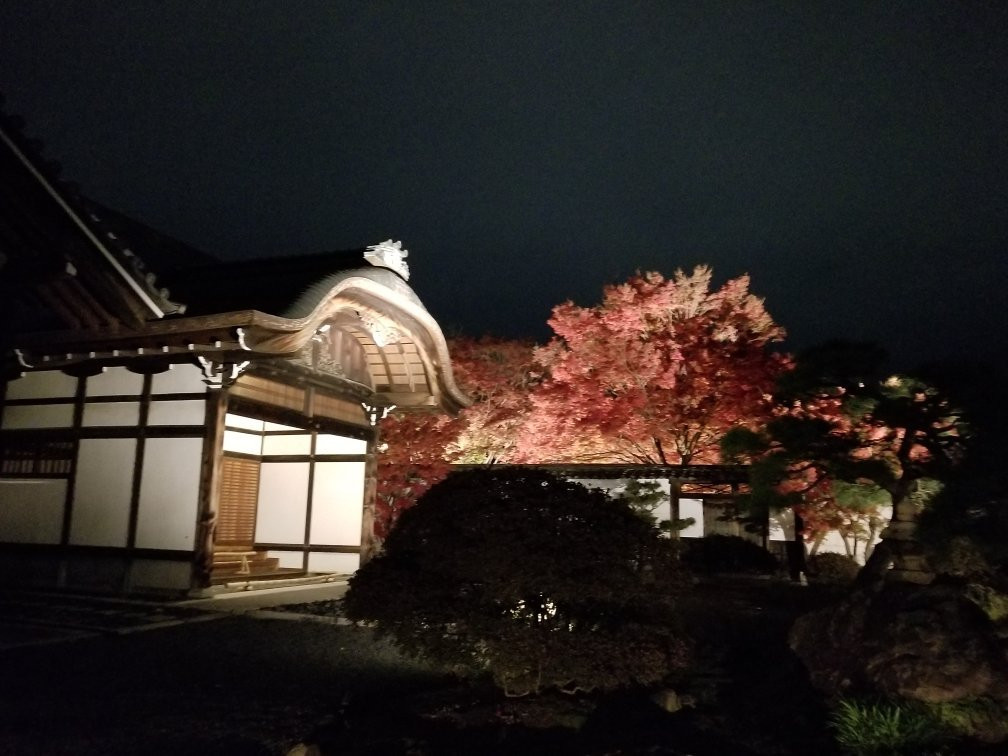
254 685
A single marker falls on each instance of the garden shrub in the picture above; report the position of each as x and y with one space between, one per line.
832 569
732 554
542 582
959 557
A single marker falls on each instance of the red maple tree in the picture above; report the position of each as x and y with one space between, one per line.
656 373
418 448
499 375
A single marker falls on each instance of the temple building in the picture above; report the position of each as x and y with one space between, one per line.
170 421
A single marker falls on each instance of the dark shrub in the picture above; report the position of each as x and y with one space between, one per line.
832 569
719 553
541 581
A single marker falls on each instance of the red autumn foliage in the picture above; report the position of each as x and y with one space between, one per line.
656 373
419 448
498 374
411 459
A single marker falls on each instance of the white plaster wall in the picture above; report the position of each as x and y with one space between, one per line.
169 493
184 412
782 529
781 525
344 564
242 443
45 384
114 381
687 507
286 559
111 414
691 508
326 443
31 511
102 492
283 502
179 379
240 421
278 445
337 503
37 416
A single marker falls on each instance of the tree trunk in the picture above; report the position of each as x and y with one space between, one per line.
869 546
817 542
876 567
796 550
909 565
846 543
898 556
674 490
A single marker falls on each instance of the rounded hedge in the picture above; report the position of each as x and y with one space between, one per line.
832 568
728 554
541 581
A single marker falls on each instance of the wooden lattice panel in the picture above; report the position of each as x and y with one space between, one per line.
239 492
339 409
269 392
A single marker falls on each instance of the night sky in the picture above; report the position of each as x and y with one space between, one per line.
853 158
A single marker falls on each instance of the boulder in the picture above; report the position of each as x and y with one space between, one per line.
923 643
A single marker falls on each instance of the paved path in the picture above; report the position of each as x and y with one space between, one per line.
30 618
265 598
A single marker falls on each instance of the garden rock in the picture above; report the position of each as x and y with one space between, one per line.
924 643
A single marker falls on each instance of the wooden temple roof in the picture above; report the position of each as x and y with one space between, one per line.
77 295
63 265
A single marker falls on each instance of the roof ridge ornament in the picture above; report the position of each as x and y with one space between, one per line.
389 254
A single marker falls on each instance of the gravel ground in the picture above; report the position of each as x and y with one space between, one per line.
260 683
234 685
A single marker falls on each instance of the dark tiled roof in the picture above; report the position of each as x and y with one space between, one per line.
57 254
269 285
160 252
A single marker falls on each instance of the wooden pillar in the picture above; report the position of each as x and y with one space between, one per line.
369 542
209 492
675 492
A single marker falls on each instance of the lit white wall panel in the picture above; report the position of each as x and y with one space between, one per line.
102 492
169 492
186 412
31 511
113 382
280 445
179 379
344 564
46 384
326 443
37 416
691 508
290 560
283 502
337 503
240 421
242 443
781 525
111 414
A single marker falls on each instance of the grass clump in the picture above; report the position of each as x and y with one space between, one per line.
886 727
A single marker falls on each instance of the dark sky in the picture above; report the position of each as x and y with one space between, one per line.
853 158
